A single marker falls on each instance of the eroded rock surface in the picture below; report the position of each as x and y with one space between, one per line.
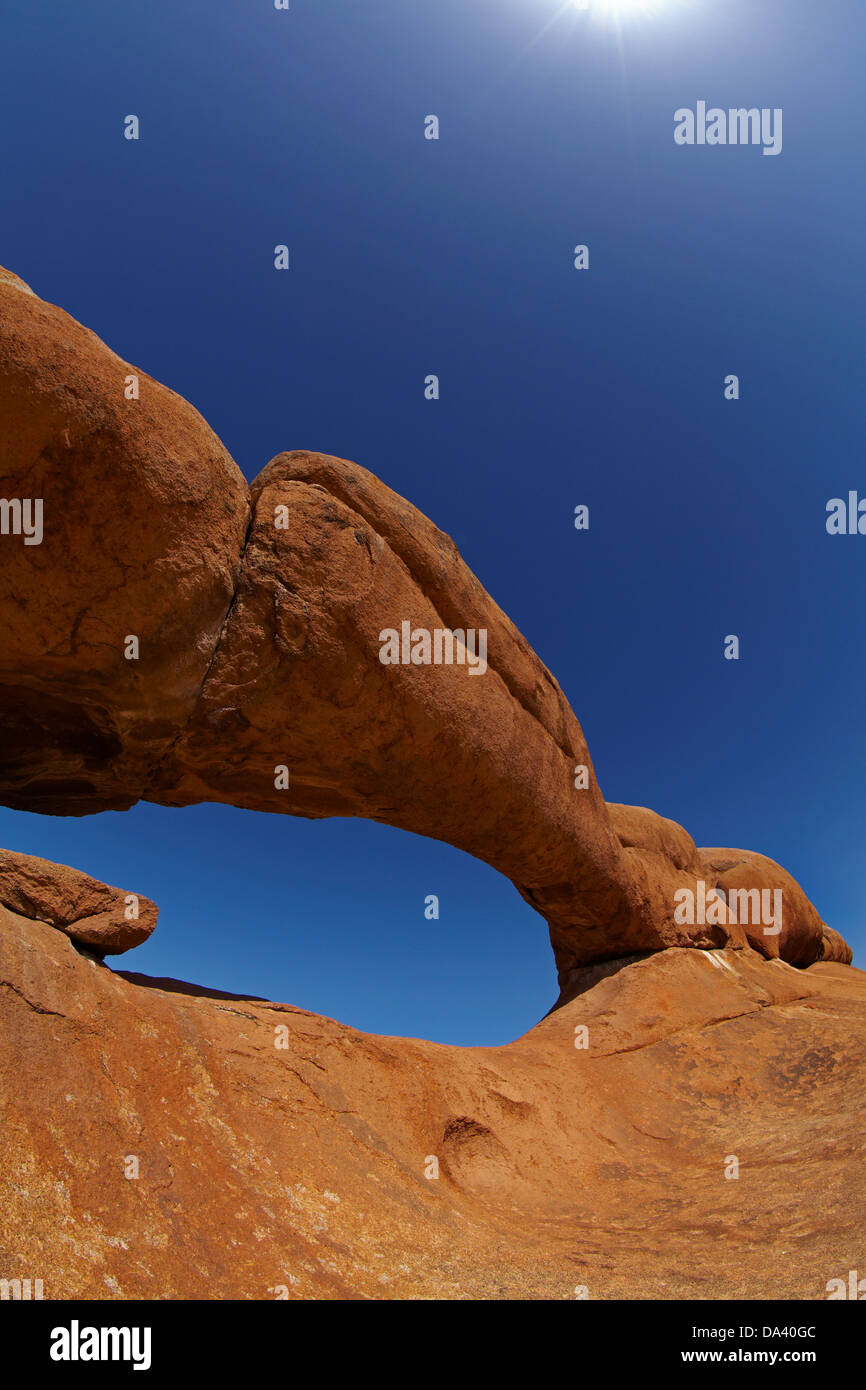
143 519
800 940
484 762
107 920
164 1141
278 1153
257 648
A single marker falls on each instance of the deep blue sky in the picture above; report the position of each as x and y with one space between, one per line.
707 517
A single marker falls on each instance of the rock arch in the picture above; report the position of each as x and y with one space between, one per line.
259 647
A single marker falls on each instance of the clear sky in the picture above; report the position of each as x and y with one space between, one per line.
558 387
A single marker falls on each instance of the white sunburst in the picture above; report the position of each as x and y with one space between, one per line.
618 9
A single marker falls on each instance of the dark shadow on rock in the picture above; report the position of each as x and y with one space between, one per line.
184 987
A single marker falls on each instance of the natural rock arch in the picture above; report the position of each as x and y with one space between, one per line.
258 647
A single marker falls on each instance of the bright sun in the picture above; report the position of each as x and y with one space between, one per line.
616 7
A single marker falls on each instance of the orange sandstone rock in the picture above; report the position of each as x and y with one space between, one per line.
748 876
143 519
280 1154
107 920
170 636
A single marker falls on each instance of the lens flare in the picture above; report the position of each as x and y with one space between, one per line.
617 9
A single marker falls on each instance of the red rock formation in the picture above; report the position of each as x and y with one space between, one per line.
834 947
801 938
261 651
264 1170
144 515
107 920
164 1141
486 763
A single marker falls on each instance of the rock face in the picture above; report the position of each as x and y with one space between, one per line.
802 937
173 636
255 675
143 519
486 762
107 920
834 947
160 1141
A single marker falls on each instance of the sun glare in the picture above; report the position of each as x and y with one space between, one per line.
617 9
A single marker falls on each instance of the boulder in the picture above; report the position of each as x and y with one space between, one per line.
834 947
92 914
749 875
